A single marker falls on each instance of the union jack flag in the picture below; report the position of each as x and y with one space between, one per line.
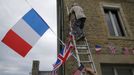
63 56
65 53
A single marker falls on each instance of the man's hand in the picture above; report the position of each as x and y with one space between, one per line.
90 71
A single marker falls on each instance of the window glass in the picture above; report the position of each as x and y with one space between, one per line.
117 23
117 69
110 27
124 71
107 70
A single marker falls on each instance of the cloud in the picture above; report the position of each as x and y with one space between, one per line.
45 50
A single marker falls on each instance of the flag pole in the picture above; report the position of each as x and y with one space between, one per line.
57 36
74 57
28 3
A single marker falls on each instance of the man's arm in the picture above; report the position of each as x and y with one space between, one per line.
70 12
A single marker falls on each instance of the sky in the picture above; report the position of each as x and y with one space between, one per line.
45 50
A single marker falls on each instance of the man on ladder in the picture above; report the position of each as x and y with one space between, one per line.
79 20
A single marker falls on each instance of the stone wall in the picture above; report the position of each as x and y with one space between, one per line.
96 30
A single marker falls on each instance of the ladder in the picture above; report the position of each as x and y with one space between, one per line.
83 53
82 50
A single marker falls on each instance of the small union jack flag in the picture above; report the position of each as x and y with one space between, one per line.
112 49
125 51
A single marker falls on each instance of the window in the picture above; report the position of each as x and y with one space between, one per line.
114 21
108 69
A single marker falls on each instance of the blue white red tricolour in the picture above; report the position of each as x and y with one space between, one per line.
97 47
25 33
79 70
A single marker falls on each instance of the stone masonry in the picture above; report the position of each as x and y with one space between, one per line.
96 31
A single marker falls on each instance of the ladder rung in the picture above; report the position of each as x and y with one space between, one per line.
86 61
86 53
85 48
81 46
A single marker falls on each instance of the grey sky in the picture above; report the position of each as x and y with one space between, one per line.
44 50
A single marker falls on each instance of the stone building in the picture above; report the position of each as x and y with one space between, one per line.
108 22
36 71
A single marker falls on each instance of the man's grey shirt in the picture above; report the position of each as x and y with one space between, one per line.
79 13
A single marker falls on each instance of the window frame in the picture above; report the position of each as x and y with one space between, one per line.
123 21
113 23
117 8
117 66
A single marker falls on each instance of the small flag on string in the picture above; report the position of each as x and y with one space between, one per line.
133 51
125 51
98 49
112 48
25 33
79 70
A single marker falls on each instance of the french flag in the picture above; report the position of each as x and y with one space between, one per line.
25 33
97 48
